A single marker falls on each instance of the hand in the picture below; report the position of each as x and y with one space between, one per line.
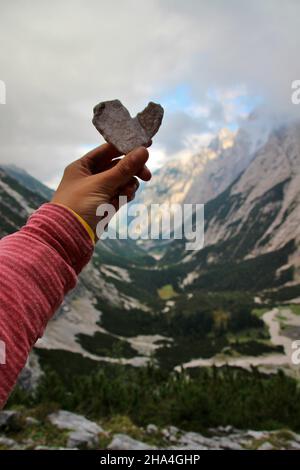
100 178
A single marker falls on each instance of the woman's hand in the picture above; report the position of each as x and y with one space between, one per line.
100 178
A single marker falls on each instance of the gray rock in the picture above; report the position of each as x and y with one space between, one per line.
116 125
257 434
8 418
31 421
72 421
191 447
221 428
192 440
228 429
6 442
31 374
84 432
171 434
165 433
294 445
52 448
124 442
197 441
28 442
266 446
82 438
151 429
173 430
226 443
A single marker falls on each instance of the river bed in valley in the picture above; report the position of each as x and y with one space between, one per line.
275 320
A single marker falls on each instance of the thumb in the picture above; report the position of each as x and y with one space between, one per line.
128 167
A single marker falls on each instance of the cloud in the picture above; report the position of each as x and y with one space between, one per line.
59 58
176 127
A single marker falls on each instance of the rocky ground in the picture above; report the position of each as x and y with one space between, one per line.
65 430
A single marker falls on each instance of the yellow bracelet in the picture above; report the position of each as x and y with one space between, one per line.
82 221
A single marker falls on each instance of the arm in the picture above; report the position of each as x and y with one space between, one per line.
40 263
38 266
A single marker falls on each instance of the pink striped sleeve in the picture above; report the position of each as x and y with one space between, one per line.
38 266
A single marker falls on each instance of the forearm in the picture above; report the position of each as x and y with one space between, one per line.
38 266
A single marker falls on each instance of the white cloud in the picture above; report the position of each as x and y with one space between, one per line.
196 141
59 58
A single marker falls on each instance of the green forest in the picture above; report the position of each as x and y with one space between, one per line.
197 401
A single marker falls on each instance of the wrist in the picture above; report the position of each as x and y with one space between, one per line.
57 227
83 222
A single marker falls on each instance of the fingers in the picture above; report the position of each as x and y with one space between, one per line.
128 191
129 166
145 174
104 157
97 159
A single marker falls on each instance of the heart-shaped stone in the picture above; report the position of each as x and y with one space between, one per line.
114 122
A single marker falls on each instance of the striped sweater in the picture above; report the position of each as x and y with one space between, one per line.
38 266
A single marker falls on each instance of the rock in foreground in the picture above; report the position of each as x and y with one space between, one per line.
65 430
124 442
83 431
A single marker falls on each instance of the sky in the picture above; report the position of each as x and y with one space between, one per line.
209 63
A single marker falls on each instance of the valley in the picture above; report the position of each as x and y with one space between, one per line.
146 313
276 320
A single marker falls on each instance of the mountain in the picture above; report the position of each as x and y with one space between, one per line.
252 229
28 181
200 177
130 308
227 156
17 202
176 180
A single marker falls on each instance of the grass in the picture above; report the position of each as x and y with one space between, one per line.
167 292
124 425
39 434
259 312
184 349
67 364
295 308
250 334
193 400
43 433
279 440
255 348
281 318
102 344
